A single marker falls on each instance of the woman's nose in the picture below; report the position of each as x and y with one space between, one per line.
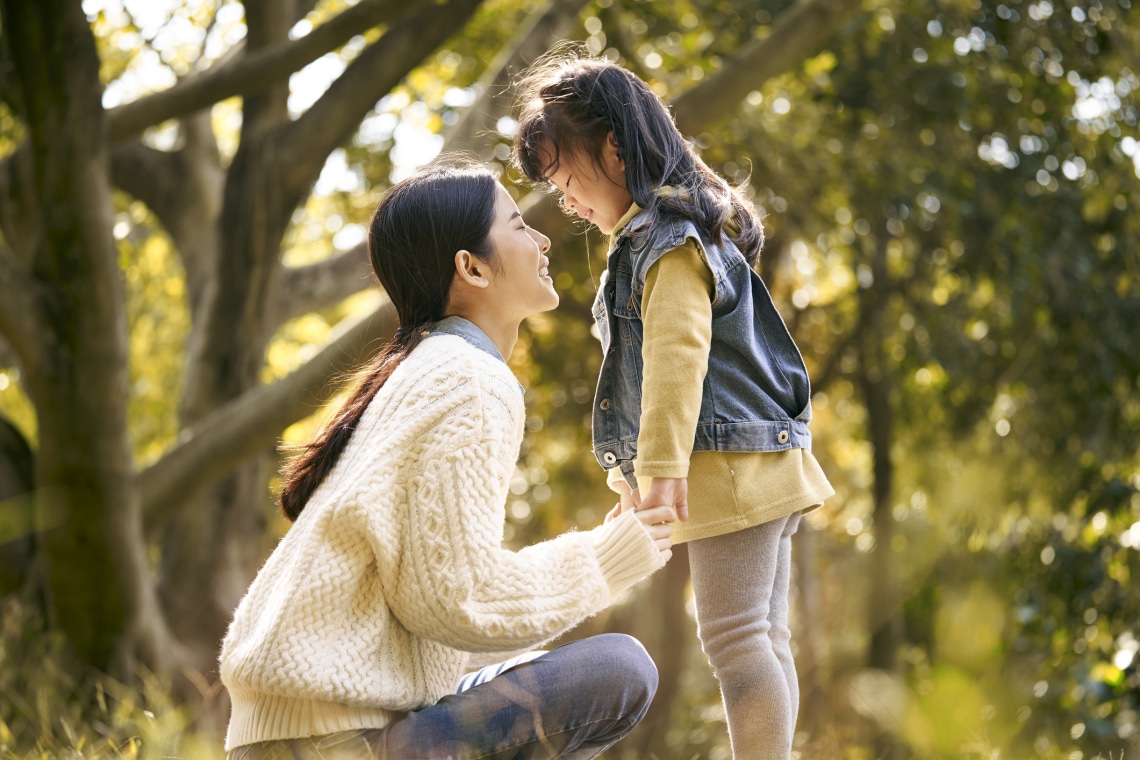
543 242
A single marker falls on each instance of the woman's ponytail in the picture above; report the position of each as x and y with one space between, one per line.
314 460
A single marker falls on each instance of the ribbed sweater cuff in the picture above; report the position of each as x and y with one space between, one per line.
626 553
257 717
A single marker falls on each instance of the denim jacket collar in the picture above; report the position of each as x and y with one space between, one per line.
470 332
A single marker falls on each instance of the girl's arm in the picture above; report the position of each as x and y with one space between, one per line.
677 334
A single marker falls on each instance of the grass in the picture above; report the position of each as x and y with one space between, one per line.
51 708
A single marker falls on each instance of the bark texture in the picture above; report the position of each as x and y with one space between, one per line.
77 375
797 34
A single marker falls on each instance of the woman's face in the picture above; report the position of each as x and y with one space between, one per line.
521 283
596 193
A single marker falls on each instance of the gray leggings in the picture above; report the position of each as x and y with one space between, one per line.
740 585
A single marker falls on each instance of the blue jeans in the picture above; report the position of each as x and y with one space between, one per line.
572 702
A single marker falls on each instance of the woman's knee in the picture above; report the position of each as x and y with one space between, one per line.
630 659
619 664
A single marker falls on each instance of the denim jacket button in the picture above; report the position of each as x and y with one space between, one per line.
782 437
604 405
609 457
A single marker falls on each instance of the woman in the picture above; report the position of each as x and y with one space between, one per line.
353 637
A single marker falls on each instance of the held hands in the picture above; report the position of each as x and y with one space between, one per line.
630 501
657 524
666 501
673 492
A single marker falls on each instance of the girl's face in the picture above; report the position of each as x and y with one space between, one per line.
596 193
520 282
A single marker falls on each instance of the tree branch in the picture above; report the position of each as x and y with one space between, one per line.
309 288
184 189
306 143
252 72
532 41
211 449
798 33
150 175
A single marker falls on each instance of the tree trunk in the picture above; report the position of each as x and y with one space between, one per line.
211 550
96 572
883 618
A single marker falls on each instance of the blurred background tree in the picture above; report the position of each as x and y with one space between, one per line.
950 193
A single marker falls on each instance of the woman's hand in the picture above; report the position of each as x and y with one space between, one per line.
657 523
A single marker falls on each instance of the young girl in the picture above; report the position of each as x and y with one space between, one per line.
703 397
353 637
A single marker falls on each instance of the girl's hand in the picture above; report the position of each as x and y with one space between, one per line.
657 523
630 500
670 492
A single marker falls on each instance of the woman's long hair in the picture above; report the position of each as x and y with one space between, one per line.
567 104
419 226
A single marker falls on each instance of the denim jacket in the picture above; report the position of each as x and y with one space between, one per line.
756 394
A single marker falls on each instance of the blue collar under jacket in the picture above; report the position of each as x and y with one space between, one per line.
469 331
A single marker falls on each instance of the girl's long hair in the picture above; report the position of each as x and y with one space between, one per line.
568 104
419 226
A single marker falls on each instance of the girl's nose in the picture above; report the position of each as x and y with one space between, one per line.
568 202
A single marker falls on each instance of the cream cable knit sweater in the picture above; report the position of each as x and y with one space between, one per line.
394 571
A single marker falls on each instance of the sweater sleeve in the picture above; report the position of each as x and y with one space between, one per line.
677 334
456 584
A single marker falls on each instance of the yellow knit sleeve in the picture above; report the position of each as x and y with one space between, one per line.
677 333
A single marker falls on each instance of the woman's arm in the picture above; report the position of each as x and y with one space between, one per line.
456 584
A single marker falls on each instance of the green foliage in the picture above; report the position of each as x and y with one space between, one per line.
158 322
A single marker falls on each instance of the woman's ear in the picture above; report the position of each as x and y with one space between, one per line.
471 270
